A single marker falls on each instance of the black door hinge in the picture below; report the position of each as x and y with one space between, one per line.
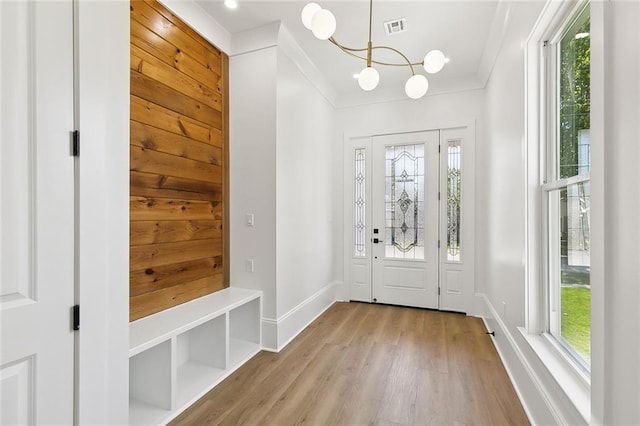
75 148
76 317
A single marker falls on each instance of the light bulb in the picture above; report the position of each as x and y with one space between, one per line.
323 24
231 4
307 14
368 78
434 61
416 86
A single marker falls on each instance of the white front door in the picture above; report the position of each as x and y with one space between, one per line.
405 219
392 219
36 213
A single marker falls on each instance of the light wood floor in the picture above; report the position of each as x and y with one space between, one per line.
370 364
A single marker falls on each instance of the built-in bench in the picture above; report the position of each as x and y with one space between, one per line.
178 355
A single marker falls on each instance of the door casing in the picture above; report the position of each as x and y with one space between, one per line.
456 279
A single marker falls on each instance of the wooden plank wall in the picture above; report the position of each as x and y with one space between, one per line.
179 162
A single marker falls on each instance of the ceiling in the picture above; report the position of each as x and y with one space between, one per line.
469 32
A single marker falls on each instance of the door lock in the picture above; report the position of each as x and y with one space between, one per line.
377 240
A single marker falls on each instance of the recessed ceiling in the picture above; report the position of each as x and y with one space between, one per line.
461 29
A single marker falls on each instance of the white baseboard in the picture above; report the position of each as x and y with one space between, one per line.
536 389
276 334
269 334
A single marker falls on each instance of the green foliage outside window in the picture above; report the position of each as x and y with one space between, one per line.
575 96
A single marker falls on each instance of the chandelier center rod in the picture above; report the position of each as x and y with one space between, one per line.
369 44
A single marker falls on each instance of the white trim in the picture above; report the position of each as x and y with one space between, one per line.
277 334
305 65
563 183
513 347
269 334
552 15
574 382
544 399
507 367
255 39
565 375
103 212
523 384
493 46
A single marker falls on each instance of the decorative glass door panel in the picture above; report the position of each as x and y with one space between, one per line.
404 201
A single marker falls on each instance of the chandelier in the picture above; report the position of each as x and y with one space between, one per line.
323 25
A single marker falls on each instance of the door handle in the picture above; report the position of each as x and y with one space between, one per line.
376 241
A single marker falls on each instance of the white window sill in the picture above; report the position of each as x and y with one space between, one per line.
575 383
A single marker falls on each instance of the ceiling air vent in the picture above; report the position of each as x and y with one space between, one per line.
396 26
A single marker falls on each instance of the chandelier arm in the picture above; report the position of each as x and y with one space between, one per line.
350 50
354 55
409 63
344 48
378 62
390 64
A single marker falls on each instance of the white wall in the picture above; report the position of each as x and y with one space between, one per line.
500 223
103 212
500 175
620 349
430 112
252 156
305 154
281 155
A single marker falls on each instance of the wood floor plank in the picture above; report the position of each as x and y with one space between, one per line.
370 364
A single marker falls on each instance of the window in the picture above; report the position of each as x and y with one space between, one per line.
454 186
566 188
360 222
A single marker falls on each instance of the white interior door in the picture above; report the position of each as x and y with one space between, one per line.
405 219
36 213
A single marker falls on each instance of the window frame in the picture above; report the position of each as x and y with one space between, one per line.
570 376
552 182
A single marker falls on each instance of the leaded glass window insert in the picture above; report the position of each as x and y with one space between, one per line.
359 203
454 186
404 201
